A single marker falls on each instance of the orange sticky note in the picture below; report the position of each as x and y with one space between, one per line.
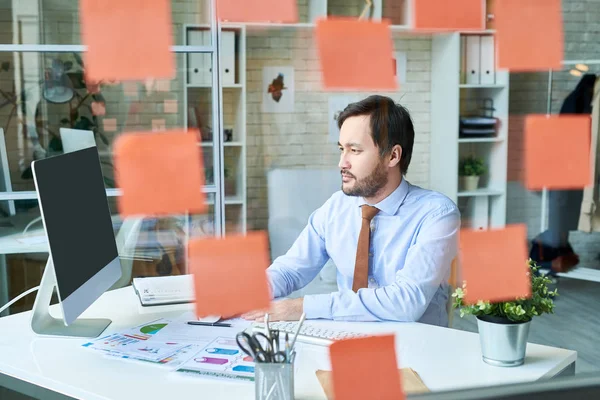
110 124
159 174
365 368
98 108
557 152
170 106
355 54
158 125
436 15
230 274
529 34
257 10
127 40
494 264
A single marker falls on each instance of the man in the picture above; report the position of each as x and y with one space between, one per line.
398 269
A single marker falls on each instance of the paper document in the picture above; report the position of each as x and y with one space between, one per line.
180 331
151 350
173 362
221 358
162 290
172 343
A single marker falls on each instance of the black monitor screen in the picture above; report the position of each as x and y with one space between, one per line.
76 216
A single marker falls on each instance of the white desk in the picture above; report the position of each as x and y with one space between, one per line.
17 243
444 358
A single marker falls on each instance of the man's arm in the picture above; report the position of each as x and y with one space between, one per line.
303 261
427 265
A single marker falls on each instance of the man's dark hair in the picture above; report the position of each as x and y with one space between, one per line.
390 125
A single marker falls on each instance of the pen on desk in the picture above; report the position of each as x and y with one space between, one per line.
268 330
302 318
287 347
200 323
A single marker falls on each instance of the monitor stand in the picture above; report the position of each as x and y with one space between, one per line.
43 323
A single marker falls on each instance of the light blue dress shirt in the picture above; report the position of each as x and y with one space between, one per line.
414 239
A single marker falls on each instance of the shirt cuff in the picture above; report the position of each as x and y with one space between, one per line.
317 306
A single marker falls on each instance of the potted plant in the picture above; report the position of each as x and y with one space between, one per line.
504 326
470 170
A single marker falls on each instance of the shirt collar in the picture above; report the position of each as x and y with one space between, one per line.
390 204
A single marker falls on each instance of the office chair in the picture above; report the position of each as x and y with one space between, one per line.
293 194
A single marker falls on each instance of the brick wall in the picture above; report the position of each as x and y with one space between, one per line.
300 139
528 94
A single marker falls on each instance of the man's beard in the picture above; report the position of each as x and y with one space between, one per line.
370 185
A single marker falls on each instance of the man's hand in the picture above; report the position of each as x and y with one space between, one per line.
281 310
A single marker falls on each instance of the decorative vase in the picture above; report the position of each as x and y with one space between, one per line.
503 342
469 183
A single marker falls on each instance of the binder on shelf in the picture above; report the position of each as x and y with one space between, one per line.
473 45
463 59
487 66
316 10
199 64
228 57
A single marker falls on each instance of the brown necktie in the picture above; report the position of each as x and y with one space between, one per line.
361 268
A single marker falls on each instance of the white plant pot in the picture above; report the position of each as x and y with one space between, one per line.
469 183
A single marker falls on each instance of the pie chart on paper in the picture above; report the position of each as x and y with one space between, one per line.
152 328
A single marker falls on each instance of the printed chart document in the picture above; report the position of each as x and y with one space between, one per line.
150 350
221 358
173 344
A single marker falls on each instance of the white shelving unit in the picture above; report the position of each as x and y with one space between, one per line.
452 98
321 8
228 154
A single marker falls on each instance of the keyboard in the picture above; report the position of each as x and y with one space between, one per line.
310 333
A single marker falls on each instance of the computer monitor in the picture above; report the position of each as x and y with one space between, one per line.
83 261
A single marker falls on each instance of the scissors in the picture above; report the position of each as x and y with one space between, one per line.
251 345
260 347
277 355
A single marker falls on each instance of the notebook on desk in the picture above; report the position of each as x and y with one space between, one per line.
411 382
164 290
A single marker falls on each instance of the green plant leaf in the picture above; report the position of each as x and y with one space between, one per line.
103 138
55 144
83 123
77 79
520 309
471 166
5 66
68 65
98 97
78 59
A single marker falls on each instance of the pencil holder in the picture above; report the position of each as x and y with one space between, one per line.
274 381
